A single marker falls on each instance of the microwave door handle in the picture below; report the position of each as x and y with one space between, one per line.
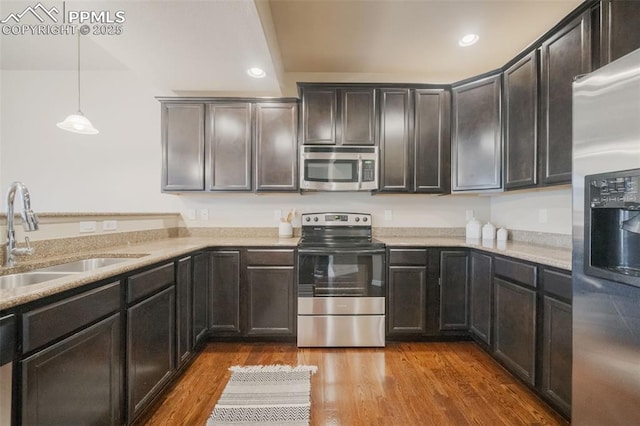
359 172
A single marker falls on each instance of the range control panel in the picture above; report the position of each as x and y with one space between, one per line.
614 190
336 219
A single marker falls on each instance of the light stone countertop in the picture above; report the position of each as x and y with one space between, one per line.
142 254
152 252
545 255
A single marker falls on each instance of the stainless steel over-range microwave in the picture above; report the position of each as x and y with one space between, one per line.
338 168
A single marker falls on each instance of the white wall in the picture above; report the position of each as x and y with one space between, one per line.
539 211
119 169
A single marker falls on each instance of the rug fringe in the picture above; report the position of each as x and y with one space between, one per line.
273 368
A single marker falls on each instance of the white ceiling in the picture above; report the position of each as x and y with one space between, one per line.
204 47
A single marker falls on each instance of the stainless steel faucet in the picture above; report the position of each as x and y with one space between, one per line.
29 222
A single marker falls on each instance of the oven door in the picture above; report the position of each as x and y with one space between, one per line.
327 272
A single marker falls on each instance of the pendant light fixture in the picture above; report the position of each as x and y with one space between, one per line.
77 122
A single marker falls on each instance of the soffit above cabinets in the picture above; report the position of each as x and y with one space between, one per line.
203 48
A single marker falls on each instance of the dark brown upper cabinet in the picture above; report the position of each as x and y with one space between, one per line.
476 139
432 141
183 146
566 54
619 29
276 146
520 122
228 146
415 142
338 115
395 140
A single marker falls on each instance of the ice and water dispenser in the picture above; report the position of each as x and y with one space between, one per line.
612 226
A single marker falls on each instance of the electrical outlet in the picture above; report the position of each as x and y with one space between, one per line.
191 214
543 215
277 214
388 215
109 225
88 226
204 214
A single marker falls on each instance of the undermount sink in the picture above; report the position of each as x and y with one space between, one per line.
49 273
84 265
12 281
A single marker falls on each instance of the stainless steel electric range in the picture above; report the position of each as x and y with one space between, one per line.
341 282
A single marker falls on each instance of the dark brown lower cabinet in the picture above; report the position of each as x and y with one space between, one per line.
184 325
454 282
557 353
150 348
270 300
515 328
480 296
224 308
407 288
200 296
77 380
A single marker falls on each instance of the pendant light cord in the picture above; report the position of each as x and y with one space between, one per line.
79 110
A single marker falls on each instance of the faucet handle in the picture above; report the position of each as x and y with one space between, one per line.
24 251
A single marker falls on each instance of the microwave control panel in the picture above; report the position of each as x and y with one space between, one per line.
368 170
614 190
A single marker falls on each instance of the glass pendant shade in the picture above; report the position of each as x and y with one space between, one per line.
77 122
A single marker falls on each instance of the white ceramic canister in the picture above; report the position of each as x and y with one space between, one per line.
473 229
488 231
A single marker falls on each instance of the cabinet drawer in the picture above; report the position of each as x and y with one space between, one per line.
145 283
46 324
557 284
515 271
270 257
407 256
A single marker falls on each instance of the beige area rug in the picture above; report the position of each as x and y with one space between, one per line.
265 395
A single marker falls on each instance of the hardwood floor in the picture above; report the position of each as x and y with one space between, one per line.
402 384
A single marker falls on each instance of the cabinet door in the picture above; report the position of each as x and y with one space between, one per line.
224 313
229 147
395 152
270 299
184 312
319 116
564 56
453 290
557 353
77 380
477 137
620 32
200 296
358 116
515 328
182 147
407 300
276 147
480 294
150 348
432 141
520 125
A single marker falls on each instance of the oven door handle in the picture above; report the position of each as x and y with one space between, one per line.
340 251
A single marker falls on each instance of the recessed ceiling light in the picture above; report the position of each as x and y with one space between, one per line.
468 40
256 72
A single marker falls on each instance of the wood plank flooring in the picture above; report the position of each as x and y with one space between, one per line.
402 384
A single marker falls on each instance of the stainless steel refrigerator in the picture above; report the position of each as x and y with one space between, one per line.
606 245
